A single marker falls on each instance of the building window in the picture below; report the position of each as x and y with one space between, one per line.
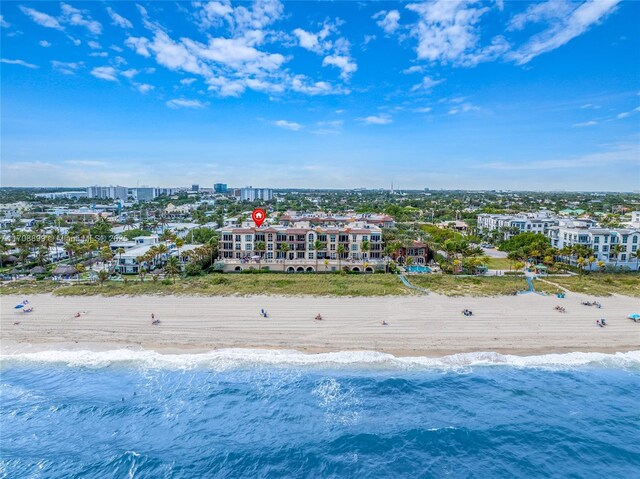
596 239
354 247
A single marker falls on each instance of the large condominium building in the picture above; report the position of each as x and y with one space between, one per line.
324 219
145 193
342 246
255 194
108 192
220 188
511 225
616 246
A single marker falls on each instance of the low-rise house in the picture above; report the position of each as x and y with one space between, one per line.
417 251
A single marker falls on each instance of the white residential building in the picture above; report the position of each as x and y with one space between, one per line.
511 225
250 193
602 241
108 192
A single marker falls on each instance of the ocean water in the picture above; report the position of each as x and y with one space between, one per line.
240 413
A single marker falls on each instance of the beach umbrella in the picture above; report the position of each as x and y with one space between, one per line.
38 270
18 306
14 272
634 316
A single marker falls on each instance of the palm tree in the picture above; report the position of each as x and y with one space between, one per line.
365 247
601 264
172 268
590 261
317 246
260 247
120 252
326 264
284 247
341 250
91 246
103 276
161 250
4 247
635 255
105 255
581 262
617 249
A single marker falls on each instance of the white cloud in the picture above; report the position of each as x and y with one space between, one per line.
130 73
105 73
85 163
143 88
118 20
426 84
626 114
73 16
564 28
22 63
585 123
346 65
140 45
381 119
231 65
288 125
413 69
183 103
300 84
42 18
99 54
66 68
116 48
306 39
94 45
621 153
3 22
424 109
447 30
188 81
388 20
464 108
44 43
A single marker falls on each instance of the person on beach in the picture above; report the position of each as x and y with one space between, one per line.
77 315
318 317
384 323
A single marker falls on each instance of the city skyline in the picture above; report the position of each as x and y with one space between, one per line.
445 95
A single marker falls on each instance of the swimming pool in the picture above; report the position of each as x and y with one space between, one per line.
417 268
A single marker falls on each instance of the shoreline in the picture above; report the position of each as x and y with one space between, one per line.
427 326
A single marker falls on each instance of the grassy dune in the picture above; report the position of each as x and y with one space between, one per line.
291 285
599 284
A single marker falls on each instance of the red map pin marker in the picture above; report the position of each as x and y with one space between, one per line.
258 216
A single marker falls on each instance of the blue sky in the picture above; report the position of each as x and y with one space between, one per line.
455 94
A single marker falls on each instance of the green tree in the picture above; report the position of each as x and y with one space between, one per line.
172 268
284 247
365 246
260 247
341 251
103 276
317 246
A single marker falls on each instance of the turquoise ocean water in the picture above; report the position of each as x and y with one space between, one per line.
241 413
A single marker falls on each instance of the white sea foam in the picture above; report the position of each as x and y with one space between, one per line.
238 358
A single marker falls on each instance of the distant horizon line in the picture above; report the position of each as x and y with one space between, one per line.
338 189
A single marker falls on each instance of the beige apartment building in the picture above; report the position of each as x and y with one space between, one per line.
362 248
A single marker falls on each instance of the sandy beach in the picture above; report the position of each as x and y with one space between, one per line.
417 326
